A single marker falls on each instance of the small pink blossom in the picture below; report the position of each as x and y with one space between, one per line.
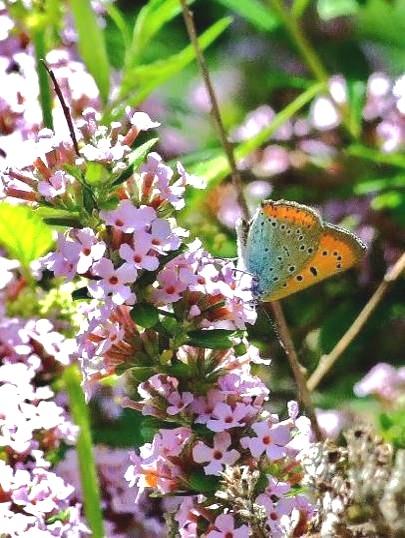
162 237
225 528
91 250
170 287
225 417
271 439
55 185
218 456
129 218
113 282
138 255
178 402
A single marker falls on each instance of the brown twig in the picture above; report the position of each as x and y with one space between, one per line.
298 371
327 361
65 108
236 178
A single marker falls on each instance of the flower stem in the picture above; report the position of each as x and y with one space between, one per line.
228 149
84 447
45 95
304 47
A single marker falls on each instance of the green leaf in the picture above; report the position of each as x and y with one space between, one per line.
357 93
376 185
388 200
81 293
141 373
150 20
84 448
119 20
140 81
45 94
212 339
23 234
254 12
330 9
91 45
135 159
145 315
371 154
202 483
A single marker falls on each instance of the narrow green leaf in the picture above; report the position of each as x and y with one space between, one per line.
150 20
140 81
45 94
376 185
23 234
254 12
330 9
92 44
118 18
84 448
357 94
372 154
135 159
212 339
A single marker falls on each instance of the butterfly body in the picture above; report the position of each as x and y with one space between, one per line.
287 247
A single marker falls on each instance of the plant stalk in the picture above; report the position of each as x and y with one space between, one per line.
84 447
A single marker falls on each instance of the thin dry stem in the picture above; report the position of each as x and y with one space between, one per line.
236 178
327 361
65 108
298 371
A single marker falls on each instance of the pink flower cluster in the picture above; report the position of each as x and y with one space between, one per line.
173 318
384 381
34 501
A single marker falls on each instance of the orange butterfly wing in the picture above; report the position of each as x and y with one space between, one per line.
337 251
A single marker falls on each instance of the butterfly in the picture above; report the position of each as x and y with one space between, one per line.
287 247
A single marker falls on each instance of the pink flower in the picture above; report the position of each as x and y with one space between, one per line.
218 456
55 185
162 237
225 528
138 255
91 251
204 405
64 260
129 218
270 439
170 287
382 380
113 282
226 417
178 402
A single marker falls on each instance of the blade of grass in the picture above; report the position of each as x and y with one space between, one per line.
91 45
118 18
45 95
84 448
150 20
254 12
371 154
